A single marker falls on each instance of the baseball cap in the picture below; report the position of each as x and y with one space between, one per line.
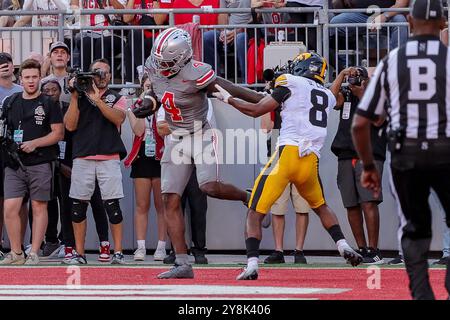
59 44
427 9
5 56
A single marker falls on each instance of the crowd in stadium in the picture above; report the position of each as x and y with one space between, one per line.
43 197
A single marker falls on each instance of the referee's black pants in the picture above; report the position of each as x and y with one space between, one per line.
413 182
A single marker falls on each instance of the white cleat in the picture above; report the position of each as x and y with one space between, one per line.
249 273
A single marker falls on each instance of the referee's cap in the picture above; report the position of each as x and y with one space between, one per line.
427 9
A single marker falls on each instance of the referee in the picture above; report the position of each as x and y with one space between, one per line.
414 81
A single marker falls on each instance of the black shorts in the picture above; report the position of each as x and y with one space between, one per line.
145 167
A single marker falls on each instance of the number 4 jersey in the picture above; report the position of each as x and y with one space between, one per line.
305 105
184 96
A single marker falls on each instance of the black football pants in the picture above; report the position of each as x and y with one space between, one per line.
413 189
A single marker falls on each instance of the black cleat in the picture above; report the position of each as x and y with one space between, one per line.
275 257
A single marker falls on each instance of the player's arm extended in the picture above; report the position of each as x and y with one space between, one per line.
267 104
235 90
255 110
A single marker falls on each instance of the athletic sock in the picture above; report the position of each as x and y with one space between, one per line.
141 244
181 259
336 233
161 245
252 263
252 245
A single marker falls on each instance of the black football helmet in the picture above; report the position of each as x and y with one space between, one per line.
309 65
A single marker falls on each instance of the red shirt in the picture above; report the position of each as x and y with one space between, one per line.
205 19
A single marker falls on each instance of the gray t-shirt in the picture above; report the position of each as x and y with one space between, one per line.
237 18
65 97
183 96
6 92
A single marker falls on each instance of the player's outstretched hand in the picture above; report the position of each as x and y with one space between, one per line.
147 106
221 94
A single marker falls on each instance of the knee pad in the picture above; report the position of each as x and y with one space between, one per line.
79 209
112 208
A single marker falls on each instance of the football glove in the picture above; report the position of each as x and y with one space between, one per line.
222 94
147 106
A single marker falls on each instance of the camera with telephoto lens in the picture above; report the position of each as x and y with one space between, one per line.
83 80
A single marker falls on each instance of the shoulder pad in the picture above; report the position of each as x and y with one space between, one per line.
196 71
282 81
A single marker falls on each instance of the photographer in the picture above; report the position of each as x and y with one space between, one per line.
34 122
357 199
63 173
7 88
95 115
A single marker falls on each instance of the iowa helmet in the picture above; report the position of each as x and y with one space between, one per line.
309 65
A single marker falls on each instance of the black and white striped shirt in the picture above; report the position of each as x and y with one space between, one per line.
414 80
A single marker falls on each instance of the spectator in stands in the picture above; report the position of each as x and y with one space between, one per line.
7 85
272 124
205 18
139 42
42 6
309 38
274 17
59 58
398 35
145 160
7 88
37 125
95 116
8 21
216 43
97 43
357 199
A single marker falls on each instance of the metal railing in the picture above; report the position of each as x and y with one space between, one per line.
342 44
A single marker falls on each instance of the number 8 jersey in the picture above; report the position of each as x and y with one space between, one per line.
305 105
183 96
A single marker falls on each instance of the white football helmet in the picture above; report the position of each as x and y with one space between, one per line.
171 51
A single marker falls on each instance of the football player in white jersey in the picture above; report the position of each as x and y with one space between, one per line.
305 104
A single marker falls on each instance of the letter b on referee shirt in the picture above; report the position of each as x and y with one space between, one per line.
423 71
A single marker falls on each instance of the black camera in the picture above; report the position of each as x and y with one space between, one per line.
355 81
7 144
83 80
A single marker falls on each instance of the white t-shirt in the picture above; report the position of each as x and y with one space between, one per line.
45 5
